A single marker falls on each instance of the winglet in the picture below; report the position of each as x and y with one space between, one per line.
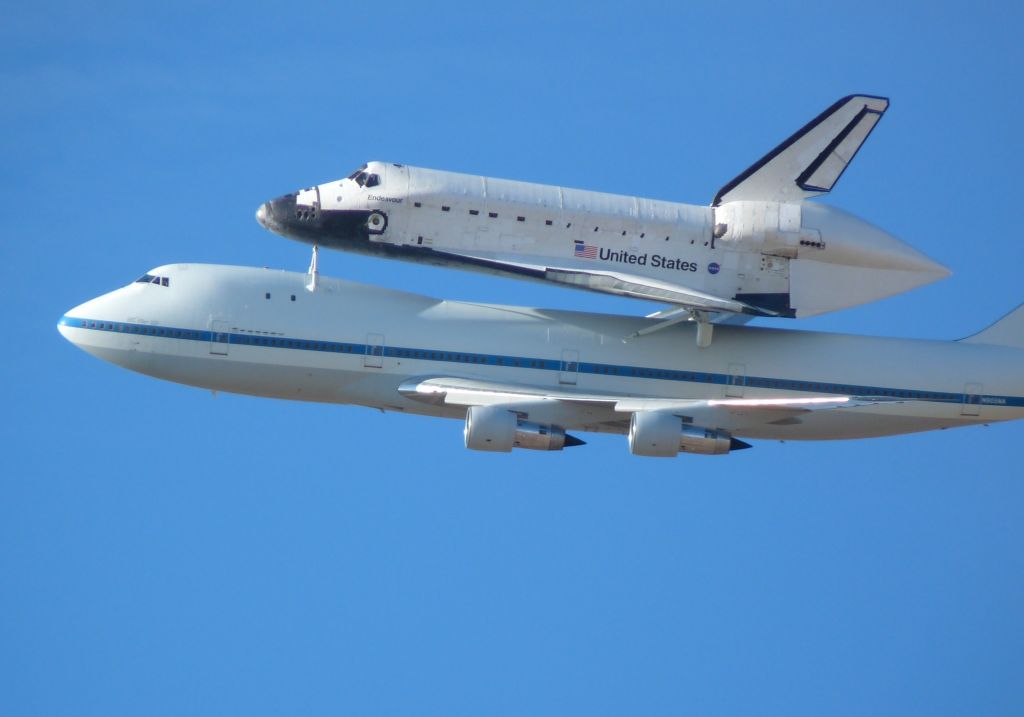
810 162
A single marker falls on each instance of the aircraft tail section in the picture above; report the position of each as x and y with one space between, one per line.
1008 331
810 162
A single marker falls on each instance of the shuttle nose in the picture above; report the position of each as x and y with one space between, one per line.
290 218
263 214
280 215
301 216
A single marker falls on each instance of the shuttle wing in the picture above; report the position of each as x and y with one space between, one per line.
614 282
810 162
638 287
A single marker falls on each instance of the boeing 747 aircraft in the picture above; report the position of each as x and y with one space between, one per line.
759 249
524 377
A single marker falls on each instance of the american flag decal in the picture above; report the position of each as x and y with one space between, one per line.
584 251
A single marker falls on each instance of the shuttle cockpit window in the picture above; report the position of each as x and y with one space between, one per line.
365 179
150 279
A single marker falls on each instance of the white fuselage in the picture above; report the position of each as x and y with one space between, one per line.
264 333
785 258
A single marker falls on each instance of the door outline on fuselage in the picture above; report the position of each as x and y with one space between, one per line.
971 404
569 369
736 380
220 337
374 356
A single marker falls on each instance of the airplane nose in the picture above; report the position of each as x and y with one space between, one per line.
96 327
64 327
73 320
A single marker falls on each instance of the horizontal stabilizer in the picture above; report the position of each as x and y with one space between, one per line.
810 162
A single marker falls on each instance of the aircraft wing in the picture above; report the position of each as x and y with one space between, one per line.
811 161
614 282
459 391
610 412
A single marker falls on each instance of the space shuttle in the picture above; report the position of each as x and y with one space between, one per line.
760 248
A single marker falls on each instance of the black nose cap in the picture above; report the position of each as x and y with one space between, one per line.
282 208
265 214
277 215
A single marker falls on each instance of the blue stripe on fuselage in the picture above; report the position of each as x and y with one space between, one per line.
542 364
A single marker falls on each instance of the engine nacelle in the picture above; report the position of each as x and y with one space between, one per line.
499 429
663 435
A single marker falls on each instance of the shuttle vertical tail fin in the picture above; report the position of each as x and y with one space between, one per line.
811 161
1008 331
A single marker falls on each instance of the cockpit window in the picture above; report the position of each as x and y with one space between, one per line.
364 179
150 279
356 173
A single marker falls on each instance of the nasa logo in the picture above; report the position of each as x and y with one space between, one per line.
713 267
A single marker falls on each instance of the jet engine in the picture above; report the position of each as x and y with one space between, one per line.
653 433
499 429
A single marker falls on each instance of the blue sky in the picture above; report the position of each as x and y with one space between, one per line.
166 552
